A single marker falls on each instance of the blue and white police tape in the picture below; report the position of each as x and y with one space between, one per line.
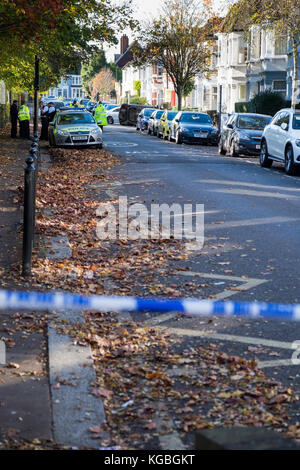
101 303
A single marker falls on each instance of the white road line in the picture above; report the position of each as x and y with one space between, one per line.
277 363
233 338
247 284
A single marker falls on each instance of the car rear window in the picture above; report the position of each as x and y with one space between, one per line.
253 122
296 121
196 118
148 112
171 116
80 118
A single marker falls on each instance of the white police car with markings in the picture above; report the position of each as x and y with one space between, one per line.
74 128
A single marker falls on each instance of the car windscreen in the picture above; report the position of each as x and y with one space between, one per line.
148 112
296 121
159 114
253 122
195 118
171 116
74 118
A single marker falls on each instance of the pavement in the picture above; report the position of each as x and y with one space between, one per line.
252 224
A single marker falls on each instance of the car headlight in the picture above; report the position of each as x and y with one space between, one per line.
184 129
62 133
243 136
297 142
214 132
95 131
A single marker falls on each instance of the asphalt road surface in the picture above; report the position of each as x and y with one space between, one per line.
252 226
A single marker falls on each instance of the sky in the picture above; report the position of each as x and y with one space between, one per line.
147 9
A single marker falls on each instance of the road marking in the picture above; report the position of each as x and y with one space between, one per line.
233 338
247 283
277 363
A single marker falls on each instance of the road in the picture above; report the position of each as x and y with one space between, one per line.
252 225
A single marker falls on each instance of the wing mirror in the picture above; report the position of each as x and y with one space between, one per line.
229 126
284 126
51 124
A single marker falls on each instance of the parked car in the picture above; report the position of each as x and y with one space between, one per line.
143 119
74 127
242 134
188 126
164 124
154 121
113 115
110 106
281 141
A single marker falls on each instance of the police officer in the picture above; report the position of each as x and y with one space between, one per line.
100 116
14 119
75 104
24 120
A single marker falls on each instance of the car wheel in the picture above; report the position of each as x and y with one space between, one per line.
290 167
110 120
149 131
178 138
222 151
265 161
165 136
233 152
158 134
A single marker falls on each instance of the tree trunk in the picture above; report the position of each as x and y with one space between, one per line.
295 89
179 97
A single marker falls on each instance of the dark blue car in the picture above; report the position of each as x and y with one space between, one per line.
193 127
242 134
143 119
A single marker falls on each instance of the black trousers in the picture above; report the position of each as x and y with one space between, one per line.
24 129
14 128
44 130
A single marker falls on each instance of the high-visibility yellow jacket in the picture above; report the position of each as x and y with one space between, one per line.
100 115
24 114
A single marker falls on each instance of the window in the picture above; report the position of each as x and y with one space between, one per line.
281 118
242 92
281 45
279 85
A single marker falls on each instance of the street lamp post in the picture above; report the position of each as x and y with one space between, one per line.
36 92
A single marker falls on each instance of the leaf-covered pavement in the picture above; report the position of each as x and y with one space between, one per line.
152 387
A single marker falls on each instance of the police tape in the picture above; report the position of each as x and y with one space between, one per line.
39 301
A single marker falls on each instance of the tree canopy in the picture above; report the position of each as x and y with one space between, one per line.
61 32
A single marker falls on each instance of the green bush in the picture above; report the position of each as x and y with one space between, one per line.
243 107
267 102
137 100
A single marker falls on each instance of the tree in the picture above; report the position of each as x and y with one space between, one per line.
103 84
283 16
92 68
179 40
61 32
137 87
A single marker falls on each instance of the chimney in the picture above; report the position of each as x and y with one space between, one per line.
124 43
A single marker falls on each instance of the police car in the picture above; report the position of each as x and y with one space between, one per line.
74 127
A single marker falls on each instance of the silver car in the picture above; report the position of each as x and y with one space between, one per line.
74 127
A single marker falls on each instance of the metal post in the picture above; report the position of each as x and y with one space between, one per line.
36 91
29 215
220 108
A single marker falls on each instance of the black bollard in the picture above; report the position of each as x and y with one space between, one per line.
29 215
